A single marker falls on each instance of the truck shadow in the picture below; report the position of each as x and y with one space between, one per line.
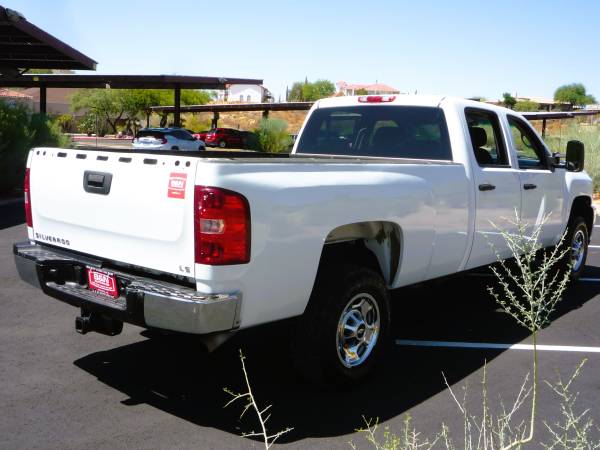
177 376
12 214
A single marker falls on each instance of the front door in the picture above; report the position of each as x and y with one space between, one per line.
542 185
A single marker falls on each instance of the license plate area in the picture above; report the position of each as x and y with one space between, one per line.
102 282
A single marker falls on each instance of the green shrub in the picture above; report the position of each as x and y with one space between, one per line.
20 131
66 122
588 134
526 105
273 136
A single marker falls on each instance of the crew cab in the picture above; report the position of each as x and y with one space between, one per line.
379 192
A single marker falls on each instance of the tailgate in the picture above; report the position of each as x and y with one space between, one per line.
123 206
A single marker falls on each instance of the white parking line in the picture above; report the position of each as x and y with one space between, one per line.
593 280
594 246
449 344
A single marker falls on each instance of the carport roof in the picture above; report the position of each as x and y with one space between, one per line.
25 46
124 81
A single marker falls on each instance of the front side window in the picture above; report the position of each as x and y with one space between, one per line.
531 153
379 131
486 137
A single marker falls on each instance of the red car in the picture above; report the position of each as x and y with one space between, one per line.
224 137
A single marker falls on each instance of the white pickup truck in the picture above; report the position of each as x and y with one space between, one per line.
379 192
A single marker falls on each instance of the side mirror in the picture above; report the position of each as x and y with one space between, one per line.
575 156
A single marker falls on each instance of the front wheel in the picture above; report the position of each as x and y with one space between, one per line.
345 328
575 246
222 144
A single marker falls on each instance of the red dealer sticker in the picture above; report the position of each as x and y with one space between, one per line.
103 282
177 185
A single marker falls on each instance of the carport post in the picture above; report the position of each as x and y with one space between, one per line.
43 99
544 128
265 114
215 120
177 111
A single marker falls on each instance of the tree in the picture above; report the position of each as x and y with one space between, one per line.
361 91
114 105
526 105
310 92
574 94
508 100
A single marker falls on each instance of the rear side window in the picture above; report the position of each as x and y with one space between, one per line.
380 131
486 137
149 133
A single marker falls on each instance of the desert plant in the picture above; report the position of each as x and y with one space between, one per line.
573 432
273 136
268 439
20 130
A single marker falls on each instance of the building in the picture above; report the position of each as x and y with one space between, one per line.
58 100
245 93
371 89
12 97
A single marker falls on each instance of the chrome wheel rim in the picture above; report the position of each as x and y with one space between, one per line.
358 330
577 250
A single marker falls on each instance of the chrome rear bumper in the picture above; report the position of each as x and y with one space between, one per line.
143 301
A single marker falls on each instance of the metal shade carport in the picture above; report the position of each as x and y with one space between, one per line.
544 116
175 82
24 46
217 108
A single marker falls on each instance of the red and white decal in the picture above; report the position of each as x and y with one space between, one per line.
104 282
177 183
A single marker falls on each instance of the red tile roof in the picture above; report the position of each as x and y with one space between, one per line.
7 93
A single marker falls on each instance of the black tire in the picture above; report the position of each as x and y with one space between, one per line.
222 144
174 148
316 346
577 232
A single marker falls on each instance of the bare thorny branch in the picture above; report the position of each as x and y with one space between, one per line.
268 439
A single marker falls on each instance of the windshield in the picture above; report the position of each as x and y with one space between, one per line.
381 131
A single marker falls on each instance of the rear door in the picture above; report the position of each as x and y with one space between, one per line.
497 187
542 185
128 207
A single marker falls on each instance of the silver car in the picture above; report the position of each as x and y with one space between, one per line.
166 139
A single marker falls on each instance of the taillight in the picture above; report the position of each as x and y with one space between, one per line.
163 140
221 226
27 191
376 98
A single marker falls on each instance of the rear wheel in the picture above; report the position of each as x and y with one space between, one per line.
344 330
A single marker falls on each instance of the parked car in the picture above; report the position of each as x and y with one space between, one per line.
380 192
201 135
224 137
166 139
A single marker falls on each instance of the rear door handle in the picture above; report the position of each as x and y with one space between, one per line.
486 187
529 186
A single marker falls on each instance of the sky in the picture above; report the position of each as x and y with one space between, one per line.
458 47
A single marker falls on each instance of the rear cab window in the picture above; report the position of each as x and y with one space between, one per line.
415 132
150 133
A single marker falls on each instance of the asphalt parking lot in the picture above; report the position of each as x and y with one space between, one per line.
136 390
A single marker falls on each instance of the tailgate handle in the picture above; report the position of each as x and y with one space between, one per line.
97 182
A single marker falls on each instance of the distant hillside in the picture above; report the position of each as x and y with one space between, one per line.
247 121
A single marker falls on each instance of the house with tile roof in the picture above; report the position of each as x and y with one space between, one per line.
371 89
13 97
